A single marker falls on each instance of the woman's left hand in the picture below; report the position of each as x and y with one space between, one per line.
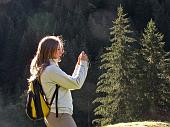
82 56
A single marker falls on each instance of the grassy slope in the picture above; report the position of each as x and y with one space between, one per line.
141 124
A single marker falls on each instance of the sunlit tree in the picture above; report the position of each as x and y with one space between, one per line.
117 86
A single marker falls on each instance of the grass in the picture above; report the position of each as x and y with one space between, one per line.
141 124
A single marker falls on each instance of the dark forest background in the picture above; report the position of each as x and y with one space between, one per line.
84 24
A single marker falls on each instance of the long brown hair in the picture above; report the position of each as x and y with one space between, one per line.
45 51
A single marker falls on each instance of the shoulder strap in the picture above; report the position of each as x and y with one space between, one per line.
57 87
52 99
55 93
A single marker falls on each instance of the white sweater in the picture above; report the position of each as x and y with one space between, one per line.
53 75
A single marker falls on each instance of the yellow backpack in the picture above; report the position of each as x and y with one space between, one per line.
37 106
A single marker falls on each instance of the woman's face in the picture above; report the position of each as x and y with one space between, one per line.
59 52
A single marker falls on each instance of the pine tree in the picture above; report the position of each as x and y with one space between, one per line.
117 85
156 87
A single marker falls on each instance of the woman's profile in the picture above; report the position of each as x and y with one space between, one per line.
45 64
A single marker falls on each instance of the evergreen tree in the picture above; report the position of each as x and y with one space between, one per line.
156 87
117 87
161 18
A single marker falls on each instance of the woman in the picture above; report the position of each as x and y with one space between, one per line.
45 65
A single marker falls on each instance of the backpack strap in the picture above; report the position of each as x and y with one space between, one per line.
57 87
55 93
52 99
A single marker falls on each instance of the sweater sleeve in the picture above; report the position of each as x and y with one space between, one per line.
66 81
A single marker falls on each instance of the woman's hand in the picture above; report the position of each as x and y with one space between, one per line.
82 56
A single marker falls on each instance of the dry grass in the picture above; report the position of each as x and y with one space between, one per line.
141 124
